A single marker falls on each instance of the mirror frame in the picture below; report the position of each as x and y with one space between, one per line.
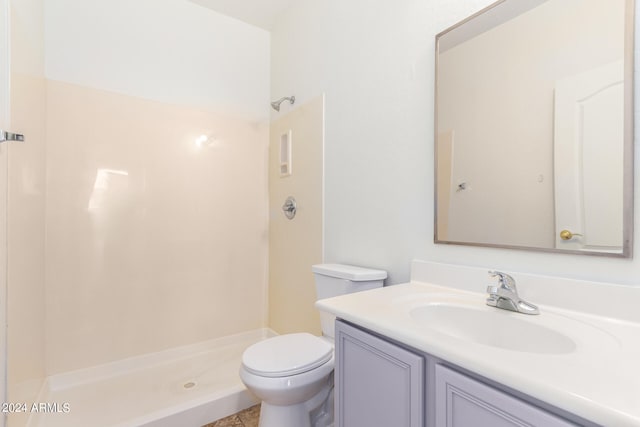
628 145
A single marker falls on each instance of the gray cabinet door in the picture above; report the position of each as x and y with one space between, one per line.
378 384
463 402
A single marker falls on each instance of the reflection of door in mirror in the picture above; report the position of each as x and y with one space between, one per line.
501 82
588 160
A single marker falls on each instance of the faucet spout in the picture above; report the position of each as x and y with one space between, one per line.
505 295
527 308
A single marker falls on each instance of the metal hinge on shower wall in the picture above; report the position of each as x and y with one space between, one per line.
10 136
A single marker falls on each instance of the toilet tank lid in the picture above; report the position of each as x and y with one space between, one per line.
349 272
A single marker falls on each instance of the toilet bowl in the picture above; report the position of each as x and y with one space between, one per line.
293 377
292 374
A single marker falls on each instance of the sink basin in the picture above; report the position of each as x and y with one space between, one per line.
492 327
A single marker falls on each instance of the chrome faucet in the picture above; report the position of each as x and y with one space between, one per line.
505 295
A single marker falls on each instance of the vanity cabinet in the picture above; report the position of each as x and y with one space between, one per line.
381 383
377 383
462 401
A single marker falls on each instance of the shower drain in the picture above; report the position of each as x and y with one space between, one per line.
189 385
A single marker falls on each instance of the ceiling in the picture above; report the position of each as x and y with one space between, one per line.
261 13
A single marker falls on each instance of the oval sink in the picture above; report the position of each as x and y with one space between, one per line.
496 328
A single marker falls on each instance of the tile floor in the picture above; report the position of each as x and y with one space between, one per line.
247 418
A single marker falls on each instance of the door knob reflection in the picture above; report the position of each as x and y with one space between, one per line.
567 235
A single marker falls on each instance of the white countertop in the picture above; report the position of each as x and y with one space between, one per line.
599 381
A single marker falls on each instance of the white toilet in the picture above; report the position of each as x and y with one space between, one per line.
293 374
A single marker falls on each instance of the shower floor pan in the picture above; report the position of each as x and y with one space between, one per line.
187 387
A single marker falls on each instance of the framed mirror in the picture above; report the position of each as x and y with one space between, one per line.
534 127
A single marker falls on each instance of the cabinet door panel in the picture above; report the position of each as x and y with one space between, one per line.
378 384
462 401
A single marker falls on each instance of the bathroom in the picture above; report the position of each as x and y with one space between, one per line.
79 299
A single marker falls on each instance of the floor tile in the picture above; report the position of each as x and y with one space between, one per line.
247 418
232 421
250 416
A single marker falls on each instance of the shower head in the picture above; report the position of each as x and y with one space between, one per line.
276 104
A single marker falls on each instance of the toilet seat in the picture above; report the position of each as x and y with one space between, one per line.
286 355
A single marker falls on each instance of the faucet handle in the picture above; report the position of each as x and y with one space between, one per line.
504 280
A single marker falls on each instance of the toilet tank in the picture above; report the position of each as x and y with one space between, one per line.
340 279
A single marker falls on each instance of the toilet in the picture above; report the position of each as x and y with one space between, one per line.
293 373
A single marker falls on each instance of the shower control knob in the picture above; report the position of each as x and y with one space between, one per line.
289 208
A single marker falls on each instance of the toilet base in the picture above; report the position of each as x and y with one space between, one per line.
284 416
316 412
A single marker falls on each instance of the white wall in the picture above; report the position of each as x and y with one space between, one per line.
151 241
172 51
376 66
4 162
26 355
295 245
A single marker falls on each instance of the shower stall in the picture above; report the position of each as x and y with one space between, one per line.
134 216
